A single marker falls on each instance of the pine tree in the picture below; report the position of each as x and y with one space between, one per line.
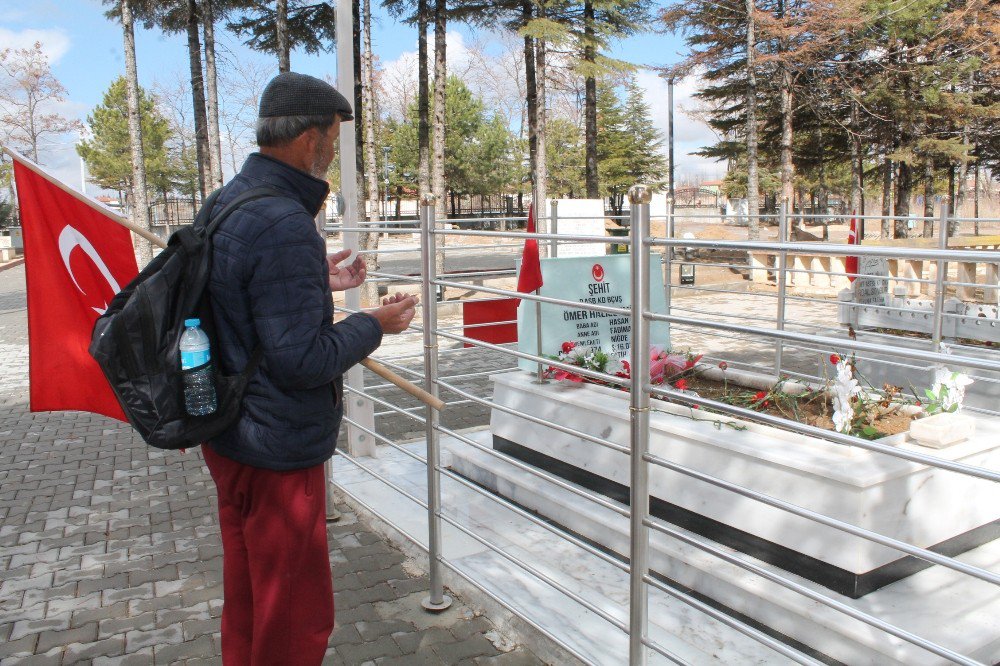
108 151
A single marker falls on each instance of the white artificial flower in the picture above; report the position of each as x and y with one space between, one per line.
614 365
845 386
955 382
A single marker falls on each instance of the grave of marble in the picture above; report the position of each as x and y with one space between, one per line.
911 502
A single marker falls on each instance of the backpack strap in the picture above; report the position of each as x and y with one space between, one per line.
207 224
210 225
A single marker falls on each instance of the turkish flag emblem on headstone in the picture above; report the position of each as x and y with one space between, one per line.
76 259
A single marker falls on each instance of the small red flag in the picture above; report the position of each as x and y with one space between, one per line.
851 263
76 259
530 277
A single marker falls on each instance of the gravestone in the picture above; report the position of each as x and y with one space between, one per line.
872 285
580 217
600 280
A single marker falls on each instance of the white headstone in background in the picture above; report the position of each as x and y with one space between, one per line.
6 242
872 286
580 217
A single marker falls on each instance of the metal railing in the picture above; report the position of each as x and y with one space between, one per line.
793 341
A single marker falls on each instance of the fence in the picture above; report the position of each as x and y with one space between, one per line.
673 527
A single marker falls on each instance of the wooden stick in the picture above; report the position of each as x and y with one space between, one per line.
374 366
414 390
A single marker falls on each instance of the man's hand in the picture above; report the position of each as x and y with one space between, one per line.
396 312
345 277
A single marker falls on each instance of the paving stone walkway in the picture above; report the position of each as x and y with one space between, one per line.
110 551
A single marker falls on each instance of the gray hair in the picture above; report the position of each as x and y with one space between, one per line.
279 130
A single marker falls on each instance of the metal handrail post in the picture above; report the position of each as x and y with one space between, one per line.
942 273
437 600
782 283
639 198
668 256
554 227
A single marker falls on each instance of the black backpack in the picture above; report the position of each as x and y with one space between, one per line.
136 341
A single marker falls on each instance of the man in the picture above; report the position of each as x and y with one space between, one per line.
270 286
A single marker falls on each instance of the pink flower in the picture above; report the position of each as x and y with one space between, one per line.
681 384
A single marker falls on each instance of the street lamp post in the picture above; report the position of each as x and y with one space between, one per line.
385 152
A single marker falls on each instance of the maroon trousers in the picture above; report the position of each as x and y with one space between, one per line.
277 587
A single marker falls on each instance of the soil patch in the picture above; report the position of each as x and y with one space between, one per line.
813 409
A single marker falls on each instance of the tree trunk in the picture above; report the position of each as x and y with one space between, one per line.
928 231
541 177
590 102
359 124
281 26
857 194
904 186
437 164
212 97
531 89
886 198
753 195
953 223
140 208
198 97
975 202
369 290
787 167
423 103
440 81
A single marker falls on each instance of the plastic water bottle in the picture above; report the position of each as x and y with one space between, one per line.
199 387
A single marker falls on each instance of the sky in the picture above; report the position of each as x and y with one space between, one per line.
86 54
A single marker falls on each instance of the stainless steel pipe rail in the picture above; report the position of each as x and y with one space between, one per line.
642 526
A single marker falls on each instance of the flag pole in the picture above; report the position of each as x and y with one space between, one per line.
374 366
79 196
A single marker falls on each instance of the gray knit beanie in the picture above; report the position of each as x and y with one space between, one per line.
291 94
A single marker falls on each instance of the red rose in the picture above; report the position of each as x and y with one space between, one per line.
723 366
567 347
760 395
681 384
694 406
834 359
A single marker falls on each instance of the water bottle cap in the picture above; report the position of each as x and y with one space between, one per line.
188 323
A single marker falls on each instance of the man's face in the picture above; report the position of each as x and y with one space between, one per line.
324 150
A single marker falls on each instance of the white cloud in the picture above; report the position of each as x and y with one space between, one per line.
690 134
55 43
399 76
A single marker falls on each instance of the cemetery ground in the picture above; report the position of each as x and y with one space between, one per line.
110 551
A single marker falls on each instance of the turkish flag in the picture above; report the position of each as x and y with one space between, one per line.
851 264
76 259
530 277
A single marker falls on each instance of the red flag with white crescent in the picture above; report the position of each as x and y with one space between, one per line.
76 259
851 263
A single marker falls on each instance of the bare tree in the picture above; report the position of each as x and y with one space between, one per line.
140 206
27 97
242 83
